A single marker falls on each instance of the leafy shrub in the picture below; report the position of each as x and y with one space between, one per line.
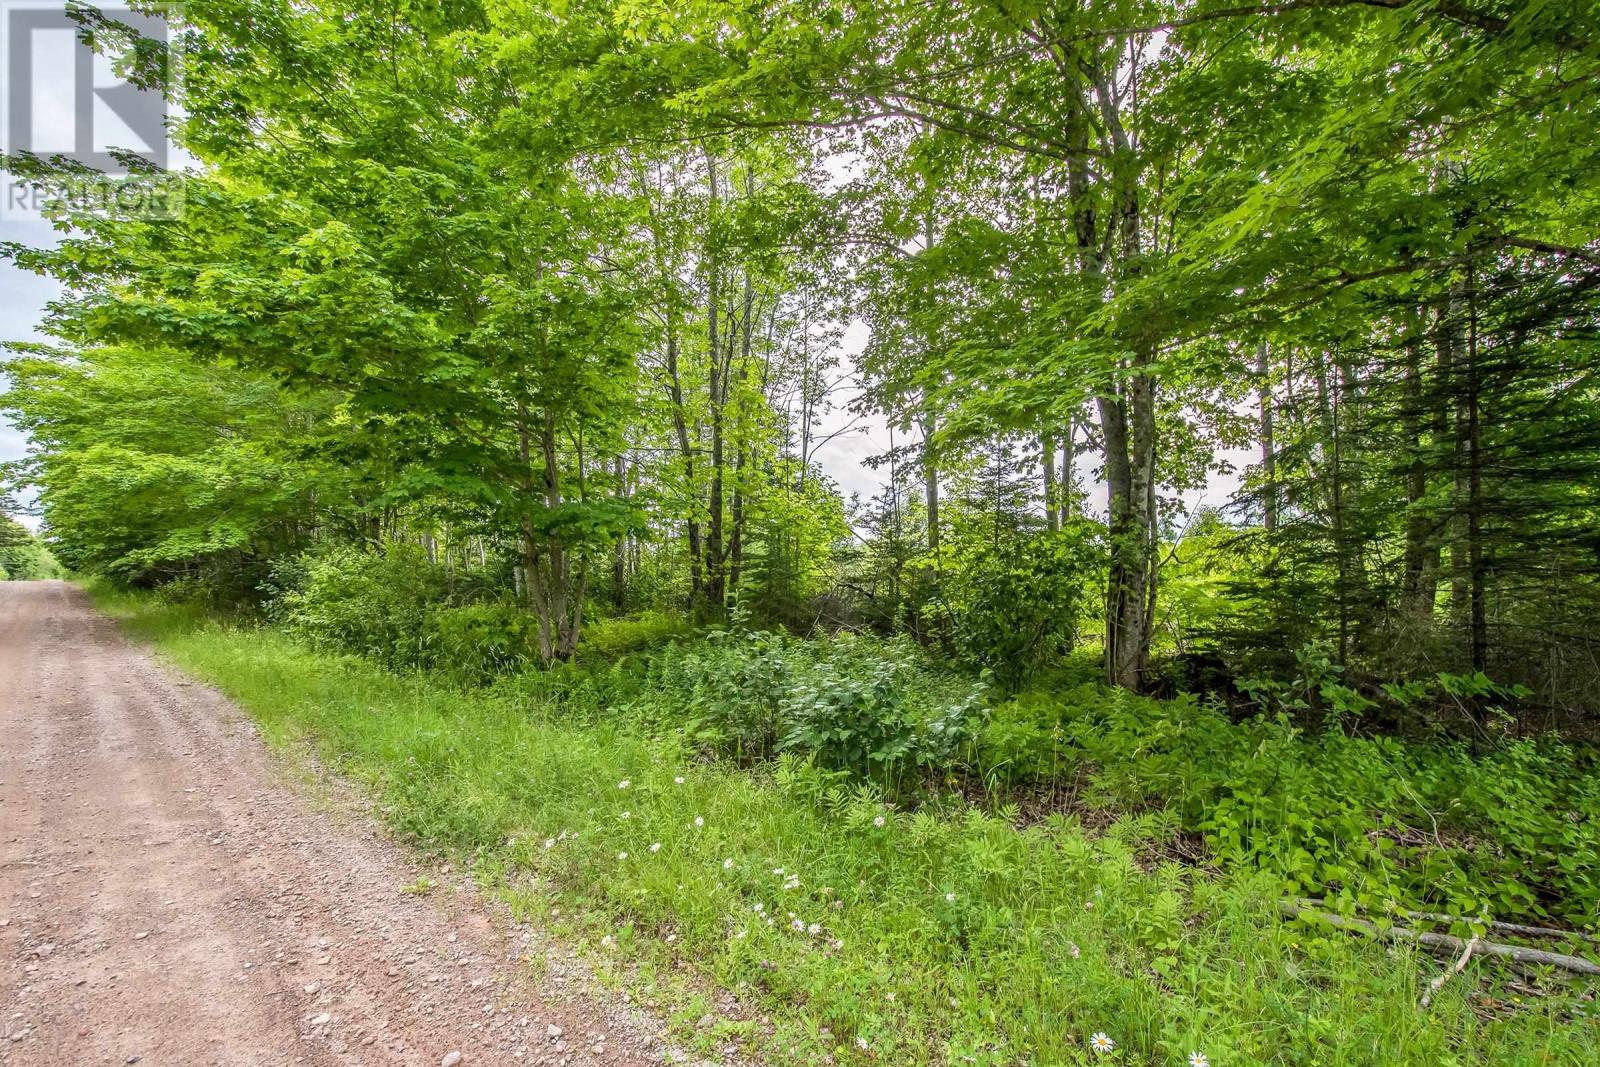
372 604
1513 832
866 706
482 641
609 638
1018 610
855 703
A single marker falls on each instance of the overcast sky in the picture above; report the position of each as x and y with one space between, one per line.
22 300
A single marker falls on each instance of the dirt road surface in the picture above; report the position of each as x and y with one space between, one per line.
169 895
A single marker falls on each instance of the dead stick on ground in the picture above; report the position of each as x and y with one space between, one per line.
1445 942
1438 983
1509 928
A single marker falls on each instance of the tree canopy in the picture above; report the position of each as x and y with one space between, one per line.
559 292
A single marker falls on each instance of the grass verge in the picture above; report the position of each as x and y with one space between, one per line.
859 932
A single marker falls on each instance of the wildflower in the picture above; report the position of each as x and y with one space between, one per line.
777 870
1088 905
814 929
798 924
549 842
607 941
1072 950
622 855
656 847
626 815
861 1042
1198 1059
949 898
759 907
699 822
727 864
624 784
1101 1043
878 821
792 882
678 780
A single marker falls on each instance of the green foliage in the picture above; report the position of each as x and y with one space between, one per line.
947 935
23 557
851 703
1018 609
610 638
1511 832
373 604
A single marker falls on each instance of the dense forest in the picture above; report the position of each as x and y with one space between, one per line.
504 339
556 293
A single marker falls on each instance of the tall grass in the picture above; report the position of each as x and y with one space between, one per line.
862 932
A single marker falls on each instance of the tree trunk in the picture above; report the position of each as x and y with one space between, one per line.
619 552
1269 456
716 588
1475 563
930 482
1047 449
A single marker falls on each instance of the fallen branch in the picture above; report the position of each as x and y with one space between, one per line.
1445 976
1503 927
1443 943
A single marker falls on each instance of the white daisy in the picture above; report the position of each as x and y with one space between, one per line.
656 847
624 784
622 855
949 898
1198 1059
1101 1043
727 865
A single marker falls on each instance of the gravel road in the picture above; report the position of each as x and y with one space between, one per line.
170 894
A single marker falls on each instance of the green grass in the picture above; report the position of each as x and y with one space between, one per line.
944 936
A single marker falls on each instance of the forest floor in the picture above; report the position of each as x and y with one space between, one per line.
172 894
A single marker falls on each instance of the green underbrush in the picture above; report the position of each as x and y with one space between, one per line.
699 809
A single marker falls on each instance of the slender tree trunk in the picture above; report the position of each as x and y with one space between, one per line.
1067 502
1047 449
930 481
716 588
531 548
1269 455
619 552
680 425
1420 566
1334 478
1475 562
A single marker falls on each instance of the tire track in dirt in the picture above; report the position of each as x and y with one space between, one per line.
167 897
